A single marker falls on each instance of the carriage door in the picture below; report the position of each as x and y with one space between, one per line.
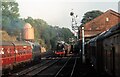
113 60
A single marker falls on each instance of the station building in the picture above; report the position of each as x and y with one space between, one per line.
100 24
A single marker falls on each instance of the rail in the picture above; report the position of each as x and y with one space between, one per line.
73 67
60 72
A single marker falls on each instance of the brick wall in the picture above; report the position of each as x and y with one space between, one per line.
101 23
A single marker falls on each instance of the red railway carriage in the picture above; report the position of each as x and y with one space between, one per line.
23 51
13 53
7 54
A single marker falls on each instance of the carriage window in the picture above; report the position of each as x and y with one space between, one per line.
7 55
24 51
10 55
8 52
5 52
1 51
11 52
16 51
21 52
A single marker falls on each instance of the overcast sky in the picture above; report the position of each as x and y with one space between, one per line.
57 12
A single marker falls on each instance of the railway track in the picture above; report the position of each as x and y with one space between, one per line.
67 69
36 71
32 71
31 68
51 68
51 71
60 67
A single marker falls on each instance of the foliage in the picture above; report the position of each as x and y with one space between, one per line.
10 18
45 34
66 34
90 15
10 9
42 43
6 37
49 35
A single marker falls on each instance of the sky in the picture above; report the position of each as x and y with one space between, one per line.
57 12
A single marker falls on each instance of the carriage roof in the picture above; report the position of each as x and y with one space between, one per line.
19 43
5 43
113 30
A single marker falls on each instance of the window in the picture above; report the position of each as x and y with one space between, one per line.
107 19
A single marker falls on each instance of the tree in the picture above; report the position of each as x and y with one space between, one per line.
66 34
90 15
10 18
10 9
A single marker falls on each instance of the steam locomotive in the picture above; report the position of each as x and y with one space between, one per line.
104 51
18 53
62 49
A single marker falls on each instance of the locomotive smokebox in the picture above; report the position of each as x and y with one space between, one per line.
28 32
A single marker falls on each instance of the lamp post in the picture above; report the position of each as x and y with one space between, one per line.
83 44
75 27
